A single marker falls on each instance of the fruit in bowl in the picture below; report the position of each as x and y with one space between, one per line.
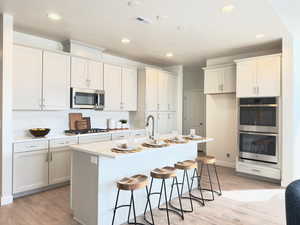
39 132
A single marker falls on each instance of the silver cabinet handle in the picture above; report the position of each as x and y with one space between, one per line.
51 156
257 90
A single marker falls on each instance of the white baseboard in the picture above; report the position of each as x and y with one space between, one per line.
5 200
225 164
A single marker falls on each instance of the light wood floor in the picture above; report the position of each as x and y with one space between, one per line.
244 202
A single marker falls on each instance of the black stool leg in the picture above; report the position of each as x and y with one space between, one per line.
179 197
148 202
115 209
198 177
166 200
220 191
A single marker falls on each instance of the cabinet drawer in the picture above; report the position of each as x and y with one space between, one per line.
257 170
30 146
94 138
138 133
63 142
120 136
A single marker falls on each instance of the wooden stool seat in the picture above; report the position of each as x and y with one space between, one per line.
133 183
164 173
206 159
186 165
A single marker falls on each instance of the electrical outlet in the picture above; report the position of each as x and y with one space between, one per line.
228 155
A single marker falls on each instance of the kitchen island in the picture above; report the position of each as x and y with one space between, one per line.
96 169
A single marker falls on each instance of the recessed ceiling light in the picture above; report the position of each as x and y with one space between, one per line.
54 16
259 36
125 41
228 8
169 54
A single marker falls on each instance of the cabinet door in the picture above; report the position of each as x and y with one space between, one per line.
213 80
129 89
229 80
79 78
172 93
172 122
95 75
59 165
30 170
27 78
163 123
246 82
56 78
151 89
268 76
163 86
113 87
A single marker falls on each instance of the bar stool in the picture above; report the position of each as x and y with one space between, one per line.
185 166
208 161
164 174
130 184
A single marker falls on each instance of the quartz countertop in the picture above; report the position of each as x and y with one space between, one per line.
58 136
104 148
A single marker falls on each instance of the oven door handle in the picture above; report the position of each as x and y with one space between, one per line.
256 133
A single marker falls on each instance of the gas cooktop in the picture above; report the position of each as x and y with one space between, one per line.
86 131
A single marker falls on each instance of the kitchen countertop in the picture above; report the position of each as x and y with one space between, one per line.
58 136
104 148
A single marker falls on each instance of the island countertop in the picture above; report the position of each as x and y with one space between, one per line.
104 148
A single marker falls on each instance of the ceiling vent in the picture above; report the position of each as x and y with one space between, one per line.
143 20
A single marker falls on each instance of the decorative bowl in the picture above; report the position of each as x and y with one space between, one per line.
39 132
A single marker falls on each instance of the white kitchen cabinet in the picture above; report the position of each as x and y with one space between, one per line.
220 80
151 87
86 73
172 93
129 89
94 138
163 91
59 165
113 87
56 79
30 170
259 76
27 78
120 136
166 122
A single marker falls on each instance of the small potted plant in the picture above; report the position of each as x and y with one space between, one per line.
123 122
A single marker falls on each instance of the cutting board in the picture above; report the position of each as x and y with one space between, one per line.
88 120
81 124
73 117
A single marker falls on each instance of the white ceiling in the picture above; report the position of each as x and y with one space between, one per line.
205 32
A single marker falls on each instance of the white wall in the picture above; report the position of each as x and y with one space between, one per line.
221 125
193 78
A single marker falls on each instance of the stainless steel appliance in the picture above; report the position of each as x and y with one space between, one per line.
259 146
259 129
259 114
87 99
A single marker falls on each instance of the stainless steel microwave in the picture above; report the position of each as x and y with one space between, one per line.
87 99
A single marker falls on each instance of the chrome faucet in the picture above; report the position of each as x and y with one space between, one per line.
147 124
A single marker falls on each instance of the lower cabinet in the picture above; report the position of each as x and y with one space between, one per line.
166 122
30 170
59 165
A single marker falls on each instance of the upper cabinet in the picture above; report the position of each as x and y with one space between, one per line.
120 86
259 76
86 73
56 79
27 78
220 80
129 89
151 89
40 79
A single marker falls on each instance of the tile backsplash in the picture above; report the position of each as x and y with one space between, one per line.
58 121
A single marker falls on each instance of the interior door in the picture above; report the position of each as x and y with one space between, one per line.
113 87
268 76
79 78
151 89
95 75
129 89
194 112
27 78
246 79
56 79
